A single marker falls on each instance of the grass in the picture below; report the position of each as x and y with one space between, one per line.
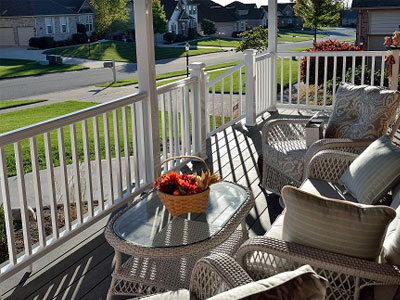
123 51
296 36
167 75
16 103
10 68
216 42
14 120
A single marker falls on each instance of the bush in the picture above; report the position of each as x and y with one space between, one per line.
208 27
79 38
59 43
328 46
81 28
180 38
235 34
192 33
169 37
43 42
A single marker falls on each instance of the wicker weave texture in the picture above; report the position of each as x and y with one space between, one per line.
183 204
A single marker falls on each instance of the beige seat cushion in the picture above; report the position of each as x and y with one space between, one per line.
276 229
362 112
343 227
300 284
326 189
181 294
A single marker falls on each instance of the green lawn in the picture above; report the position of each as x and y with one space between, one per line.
25 117
167 75
15 103
123 51
10 68
295 36
216 42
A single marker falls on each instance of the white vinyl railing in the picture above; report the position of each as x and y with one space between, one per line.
327 69
82 166
224 100
263 78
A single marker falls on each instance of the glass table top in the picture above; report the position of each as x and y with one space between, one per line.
149 224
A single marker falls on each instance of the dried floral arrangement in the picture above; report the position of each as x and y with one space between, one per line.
176 184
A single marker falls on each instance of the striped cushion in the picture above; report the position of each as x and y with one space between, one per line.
372 174
339 226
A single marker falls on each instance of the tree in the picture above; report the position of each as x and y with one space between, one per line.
256 38
208 27
159 19
318 13
109 12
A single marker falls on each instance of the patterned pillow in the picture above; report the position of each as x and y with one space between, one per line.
338 226
362 112
374 172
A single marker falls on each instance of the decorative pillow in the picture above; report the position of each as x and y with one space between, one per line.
300 284
391 244
338 226
362 112
373 172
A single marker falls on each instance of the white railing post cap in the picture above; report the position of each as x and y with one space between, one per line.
197 66
250 52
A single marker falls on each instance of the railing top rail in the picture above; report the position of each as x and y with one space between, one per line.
334 53
175 85
55 123
263 56
227 73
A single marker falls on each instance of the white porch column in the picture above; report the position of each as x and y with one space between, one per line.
273 49
250 80
147 83
199 102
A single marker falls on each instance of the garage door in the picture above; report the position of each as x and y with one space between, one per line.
6 36
24 34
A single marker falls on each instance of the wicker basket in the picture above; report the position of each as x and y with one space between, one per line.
183 204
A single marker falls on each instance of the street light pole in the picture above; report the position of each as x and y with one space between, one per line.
187 46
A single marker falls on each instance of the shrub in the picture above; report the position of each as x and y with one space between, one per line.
43 42
192 33
169 37
208 27
79 38
59 43
256 38
328 46
81 28
180 38
235 34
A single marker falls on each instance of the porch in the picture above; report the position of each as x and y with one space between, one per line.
88 164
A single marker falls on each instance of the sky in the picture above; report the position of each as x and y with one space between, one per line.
258 2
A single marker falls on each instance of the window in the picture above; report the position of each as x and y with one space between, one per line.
89 23
64 24
49 25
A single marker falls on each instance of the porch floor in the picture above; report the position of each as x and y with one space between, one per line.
86 272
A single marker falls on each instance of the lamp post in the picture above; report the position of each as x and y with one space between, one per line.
187 46
88 40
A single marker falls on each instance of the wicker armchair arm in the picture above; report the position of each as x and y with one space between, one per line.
215 274
283 128
329 165
319 260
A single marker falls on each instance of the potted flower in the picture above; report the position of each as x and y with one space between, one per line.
184 193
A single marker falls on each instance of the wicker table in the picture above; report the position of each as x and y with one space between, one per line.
164 249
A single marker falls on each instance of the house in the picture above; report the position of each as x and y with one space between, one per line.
182 15
349 18
226 21
286 15
248 15
22 19
375 20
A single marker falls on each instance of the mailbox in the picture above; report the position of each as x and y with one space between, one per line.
108 64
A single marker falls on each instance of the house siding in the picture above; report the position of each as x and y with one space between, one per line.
57 34
384 21
225 29
14 23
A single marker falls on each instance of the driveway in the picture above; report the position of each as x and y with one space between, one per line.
21 53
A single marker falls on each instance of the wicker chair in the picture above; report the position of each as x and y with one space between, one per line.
266 255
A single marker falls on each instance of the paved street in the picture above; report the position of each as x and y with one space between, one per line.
24 87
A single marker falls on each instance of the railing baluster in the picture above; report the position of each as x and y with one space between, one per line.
373 70
108 156
353 68
51 184
187 118
22 198
117 147
77 179
128 180
222 102
64 177
307 79
240 99
325 77
282 71
5 192
176 128
98 161
316 80
334 78
163 126
231 97
362 69
182 119
290 80
382 70
213 108
135 143
344 69
140 138
88 167
171 135
299 58
37 188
